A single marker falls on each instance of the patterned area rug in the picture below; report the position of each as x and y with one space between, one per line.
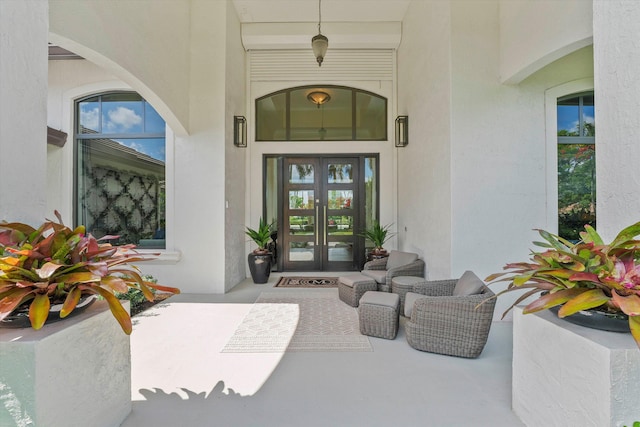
298 321
307 282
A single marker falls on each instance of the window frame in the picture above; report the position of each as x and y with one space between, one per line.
568 140
79 137
287 113
552 95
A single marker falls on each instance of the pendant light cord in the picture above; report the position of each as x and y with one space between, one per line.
319 16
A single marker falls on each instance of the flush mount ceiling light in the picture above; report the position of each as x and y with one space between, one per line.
319 97
319 43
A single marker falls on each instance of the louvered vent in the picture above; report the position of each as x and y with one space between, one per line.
339 65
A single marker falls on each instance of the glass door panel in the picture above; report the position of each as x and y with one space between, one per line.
302 199
322 212
301 243
340 196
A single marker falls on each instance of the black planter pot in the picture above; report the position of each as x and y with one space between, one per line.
19 318
260 266
596 319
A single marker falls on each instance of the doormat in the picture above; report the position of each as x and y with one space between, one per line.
307 282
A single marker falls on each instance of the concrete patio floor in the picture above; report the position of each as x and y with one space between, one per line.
180 377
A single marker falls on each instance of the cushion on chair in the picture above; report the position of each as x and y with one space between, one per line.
410 299
353 279
384 299
398 259
468 284
380 276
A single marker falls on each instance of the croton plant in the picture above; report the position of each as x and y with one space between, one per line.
579 276
54 264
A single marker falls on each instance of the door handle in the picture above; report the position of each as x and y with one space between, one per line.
317 225
325 231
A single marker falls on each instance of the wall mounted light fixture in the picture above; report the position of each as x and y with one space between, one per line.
402 131
239 131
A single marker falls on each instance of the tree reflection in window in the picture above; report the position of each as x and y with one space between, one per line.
576 165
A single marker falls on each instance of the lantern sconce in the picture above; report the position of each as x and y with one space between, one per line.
239 131
402 131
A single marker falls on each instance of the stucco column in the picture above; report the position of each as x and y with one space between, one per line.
616 57
23 110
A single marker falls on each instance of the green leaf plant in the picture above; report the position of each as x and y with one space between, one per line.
260 236
56 265
377 234
579 276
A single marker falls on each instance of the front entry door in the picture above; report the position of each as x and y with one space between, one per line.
320 213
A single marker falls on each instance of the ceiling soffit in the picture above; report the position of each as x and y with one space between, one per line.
342 35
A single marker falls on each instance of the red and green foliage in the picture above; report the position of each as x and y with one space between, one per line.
586 275
56 265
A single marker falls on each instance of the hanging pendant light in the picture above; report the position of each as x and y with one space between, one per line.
319 43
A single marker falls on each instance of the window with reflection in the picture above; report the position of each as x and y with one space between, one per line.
576 164
301 174
120 169
301 199
318 113
339 173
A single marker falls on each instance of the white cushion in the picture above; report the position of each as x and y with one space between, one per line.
468 284
384 299
379 276
354 279
410 299
398 259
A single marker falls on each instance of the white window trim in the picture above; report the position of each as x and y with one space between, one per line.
551 121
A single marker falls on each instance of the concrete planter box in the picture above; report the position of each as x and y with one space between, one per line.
570 375
75 372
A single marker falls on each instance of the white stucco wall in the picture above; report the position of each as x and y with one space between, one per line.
76 372
23 116
199 207
498 185
479 157
617 120
116 35
424 166
235 158
535 33
195 162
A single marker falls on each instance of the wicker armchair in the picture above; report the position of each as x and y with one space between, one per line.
439 322
400 263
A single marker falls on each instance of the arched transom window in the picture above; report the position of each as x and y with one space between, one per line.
318 113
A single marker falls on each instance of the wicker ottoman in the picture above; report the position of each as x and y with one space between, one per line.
378 314
402 284
352 287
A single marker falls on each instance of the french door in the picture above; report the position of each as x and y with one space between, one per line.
321 213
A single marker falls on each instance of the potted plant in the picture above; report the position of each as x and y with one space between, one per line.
378 235
54 266
260 259
585 276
